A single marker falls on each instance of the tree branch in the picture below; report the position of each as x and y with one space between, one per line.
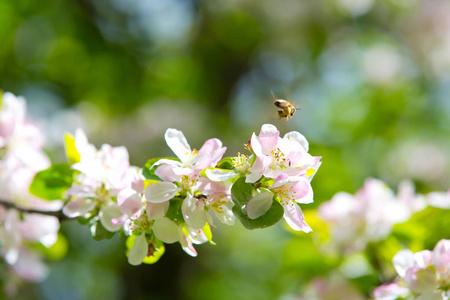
58 214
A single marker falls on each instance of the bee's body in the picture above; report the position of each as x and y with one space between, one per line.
285 109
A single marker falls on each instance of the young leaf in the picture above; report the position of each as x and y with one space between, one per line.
52 183
241 193
226 163
99 232
149 172
71 151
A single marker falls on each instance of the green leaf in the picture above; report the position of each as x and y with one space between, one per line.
174 212
149 172
72 154
241 193
99 232
226 163
52 183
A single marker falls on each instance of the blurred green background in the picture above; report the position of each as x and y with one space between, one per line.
372 79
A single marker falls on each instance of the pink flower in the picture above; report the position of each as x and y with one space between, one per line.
275 156
424 274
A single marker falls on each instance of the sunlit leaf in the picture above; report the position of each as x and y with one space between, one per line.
52 183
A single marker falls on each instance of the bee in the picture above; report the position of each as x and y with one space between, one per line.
285 109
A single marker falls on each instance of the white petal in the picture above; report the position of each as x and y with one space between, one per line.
298 137
403 260
161 192
197 236
139 250
79 207
129 202
219 175
194 212
294 217
187 246
107 213
157 210
256 146
259 205
177 142
166 230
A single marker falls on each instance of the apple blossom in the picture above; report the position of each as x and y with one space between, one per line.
369 215
422 275
102 175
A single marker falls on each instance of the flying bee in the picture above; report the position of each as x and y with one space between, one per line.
285 109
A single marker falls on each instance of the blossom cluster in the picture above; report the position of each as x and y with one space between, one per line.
21 157
421 275
370 214
179 199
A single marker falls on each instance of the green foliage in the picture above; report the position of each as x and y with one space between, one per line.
55 252
241 193
226 163
99 232
52 183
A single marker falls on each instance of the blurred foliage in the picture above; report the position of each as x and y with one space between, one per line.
125 70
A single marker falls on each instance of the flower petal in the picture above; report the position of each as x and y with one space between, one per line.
157 210
298 137
441 254
187 246
161 192
403 260
177 142
166 173
268 138
259 205
166 230
294 217
219 175
79 207
107 214
194 213
139 250
129 202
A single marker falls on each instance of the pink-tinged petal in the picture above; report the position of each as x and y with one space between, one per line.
441 254
129 202
258 168
157 210
421 280
81 191
166 162
107 214
390 291
139 250
138 184
402 261
197 236
37 227
259 205
423 258
166 173
219 175
187 246
161 192
294 217
256 145
30 267
194 213
166 230
79 207
299 138
214 148
268 138
177 142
